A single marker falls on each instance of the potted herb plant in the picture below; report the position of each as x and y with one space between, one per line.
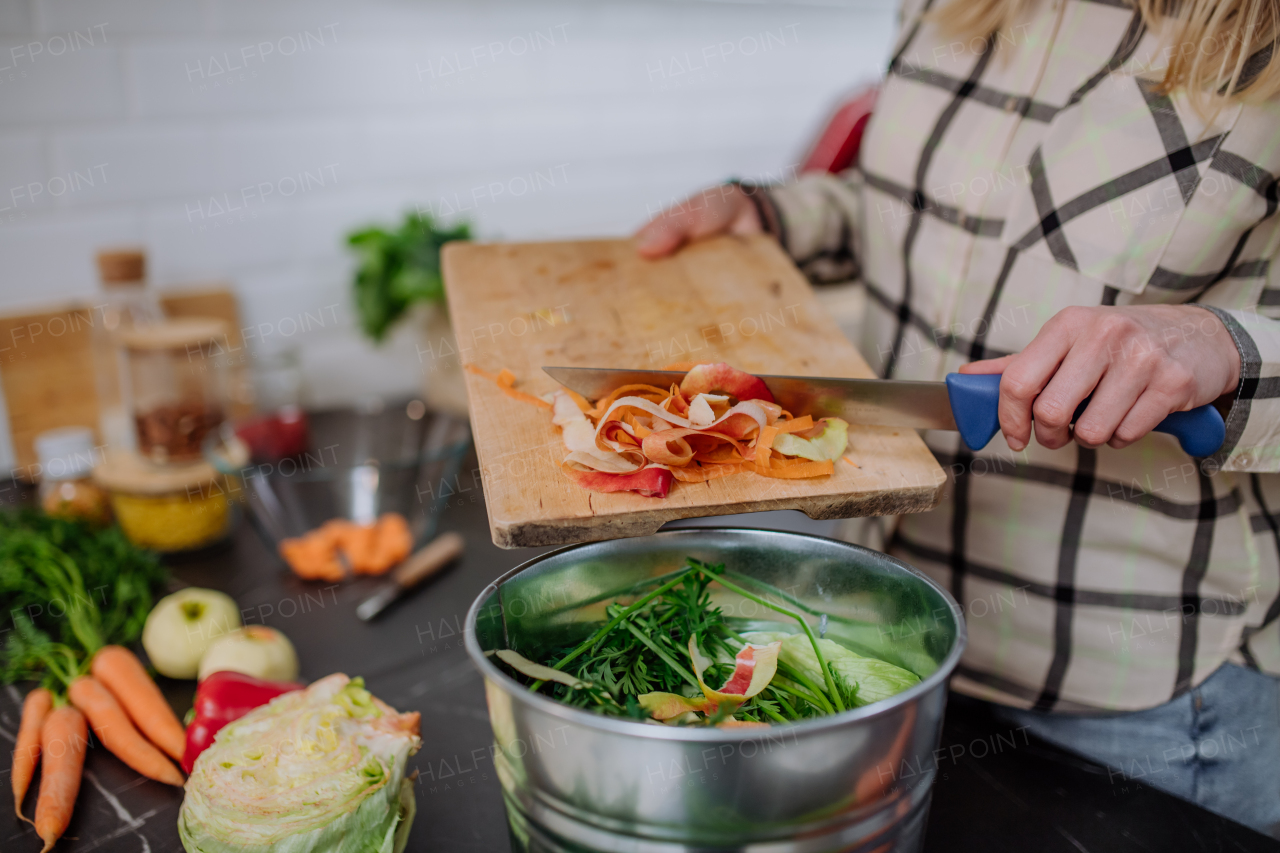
400 270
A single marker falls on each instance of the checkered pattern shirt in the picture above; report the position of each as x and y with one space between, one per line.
1000 181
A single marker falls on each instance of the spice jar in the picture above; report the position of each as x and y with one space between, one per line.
67 489
176 380
169 507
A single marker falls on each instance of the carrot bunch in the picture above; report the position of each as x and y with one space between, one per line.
75 594
122 705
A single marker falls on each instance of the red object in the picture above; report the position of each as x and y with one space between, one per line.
744 667
650 482
276 436
222 698
838 144
721 378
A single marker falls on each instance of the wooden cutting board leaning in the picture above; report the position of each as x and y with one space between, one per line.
596 303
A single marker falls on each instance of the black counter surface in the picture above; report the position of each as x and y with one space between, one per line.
989 795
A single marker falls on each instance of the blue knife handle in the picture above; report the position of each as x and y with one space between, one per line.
975 404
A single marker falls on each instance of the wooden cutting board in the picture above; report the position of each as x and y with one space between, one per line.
596 303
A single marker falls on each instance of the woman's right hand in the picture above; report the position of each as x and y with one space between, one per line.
723 209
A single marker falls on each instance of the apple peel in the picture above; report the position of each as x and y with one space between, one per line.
721 378
754 667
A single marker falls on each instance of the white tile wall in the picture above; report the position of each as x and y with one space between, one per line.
130 120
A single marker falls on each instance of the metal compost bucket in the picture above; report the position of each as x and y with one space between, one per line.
855 781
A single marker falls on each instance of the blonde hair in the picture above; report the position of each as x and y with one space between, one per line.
1218 49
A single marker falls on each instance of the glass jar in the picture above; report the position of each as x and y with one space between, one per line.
67 456
124 304
167 507
176 383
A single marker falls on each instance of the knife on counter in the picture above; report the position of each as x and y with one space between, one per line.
965 402
416 568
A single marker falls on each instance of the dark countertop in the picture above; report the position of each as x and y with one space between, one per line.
988 796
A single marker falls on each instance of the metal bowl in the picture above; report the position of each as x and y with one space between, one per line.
855 781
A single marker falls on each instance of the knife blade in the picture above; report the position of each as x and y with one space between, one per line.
965 402
875 402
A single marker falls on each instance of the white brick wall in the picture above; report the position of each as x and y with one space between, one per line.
116 126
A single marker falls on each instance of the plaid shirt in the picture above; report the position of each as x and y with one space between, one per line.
1000 181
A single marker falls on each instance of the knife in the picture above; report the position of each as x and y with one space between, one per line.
965 402
416 568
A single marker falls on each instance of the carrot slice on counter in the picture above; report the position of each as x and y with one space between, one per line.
506 380
63 740
358 543
312 558
391 543
26 750
117 733
122 673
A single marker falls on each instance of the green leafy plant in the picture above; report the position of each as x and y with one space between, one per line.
398 268
66 590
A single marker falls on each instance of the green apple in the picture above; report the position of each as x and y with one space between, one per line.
181 626
255 650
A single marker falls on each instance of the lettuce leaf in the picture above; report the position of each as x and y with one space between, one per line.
873 678
829 445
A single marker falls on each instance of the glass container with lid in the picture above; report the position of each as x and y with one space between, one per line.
124 303
176 381
167 507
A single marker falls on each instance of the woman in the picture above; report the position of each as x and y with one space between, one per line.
1081 196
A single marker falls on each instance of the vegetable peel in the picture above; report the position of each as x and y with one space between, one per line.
718 421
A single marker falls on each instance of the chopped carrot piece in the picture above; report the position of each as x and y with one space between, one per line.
506 380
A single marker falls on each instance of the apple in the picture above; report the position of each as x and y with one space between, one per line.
181 626
255 650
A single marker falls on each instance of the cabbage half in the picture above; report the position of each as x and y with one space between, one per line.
875 679
321 769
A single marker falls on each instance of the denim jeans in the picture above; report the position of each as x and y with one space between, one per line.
1217 746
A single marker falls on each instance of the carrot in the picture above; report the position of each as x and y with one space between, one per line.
63 739
112 726
121 672
26 752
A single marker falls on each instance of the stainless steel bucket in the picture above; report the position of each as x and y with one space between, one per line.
855 781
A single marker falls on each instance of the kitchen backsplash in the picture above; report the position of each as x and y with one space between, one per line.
239 140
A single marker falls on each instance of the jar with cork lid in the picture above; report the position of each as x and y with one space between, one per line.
125 303
175 379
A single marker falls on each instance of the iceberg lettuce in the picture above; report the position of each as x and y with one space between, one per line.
875 679
320 769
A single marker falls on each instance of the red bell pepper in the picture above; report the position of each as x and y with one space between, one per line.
222 698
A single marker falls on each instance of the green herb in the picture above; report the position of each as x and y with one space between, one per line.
398 268
642 647
66 590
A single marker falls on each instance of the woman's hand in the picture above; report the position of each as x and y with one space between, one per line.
715 210
1141 363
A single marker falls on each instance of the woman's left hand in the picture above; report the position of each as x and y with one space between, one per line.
1141 363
